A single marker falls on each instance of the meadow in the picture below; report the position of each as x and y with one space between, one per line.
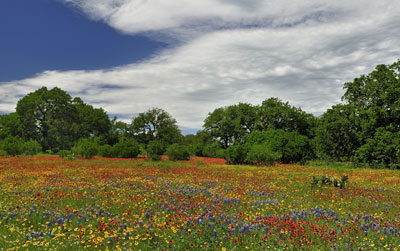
48 203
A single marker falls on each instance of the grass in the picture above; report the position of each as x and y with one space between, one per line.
47 203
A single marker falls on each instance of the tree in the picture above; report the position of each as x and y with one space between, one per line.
336 133
375 99
10 125
91 121
275 114
56 121
155 124
230 124
47 117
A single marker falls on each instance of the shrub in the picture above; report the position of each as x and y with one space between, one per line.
213 150
66 154
127 148
13 145
178 152
236 154
330 181
3 153
382 150
196 149
32 147
106 151
155 149
85 147
262 154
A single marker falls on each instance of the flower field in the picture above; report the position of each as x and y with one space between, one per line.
47 203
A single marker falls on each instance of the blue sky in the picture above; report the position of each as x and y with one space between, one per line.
44 35
190 57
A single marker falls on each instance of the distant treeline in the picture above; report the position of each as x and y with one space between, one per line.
364 129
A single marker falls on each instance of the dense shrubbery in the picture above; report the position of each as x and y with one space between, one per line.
16 146
213 150
127 148
155 149
106 151
86 147
266 147
178 152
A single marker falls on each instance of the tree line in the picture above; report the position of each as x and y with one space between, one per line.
364 128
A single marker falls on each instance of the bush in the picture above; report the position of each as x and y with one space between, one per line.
382 150
127 148
85 147
327 180
32 147
13 145
237 154
66 154
178 152
213 150
196 149
262 154
3 153
155 149
106 151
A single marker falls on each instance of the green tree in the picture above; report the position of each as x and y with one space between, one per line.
336 133
230 124
91 121
375 99
155 124
178 152
47 116
10 125
381 150
127 148
155 149
86 147
276 114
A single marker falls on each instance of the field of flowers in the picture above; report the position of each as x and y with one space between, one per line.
47 203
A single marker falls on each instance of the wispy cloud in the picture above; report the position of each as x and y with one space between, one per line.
241 51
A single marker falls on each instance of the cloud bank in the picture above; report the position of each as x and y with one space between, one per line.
229 52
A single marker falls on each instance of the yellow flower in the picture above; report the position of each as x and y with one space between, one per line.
223 249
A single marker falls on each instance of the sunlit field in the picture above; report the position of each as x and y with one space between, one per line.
47 203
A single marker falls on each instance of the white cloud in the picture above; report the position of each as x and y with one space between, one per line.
305 63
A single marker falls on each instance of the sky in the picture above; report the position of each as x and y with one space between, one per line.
190 57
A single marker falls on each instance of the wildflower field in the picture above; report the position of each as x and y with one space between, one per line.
47 203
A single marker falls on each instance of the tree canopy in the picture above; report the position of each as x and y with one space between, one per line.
155 124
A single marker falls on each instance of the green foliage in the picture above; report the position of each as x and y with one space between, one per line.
155 149
213 150
275 114
269 146
66 154
327 180
237 154
32 147
230 124
106 151
13 145
10 125
262 154
155 124
376 108
86 147
383 150
56 121
3 153
178 152
127 148
336 134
